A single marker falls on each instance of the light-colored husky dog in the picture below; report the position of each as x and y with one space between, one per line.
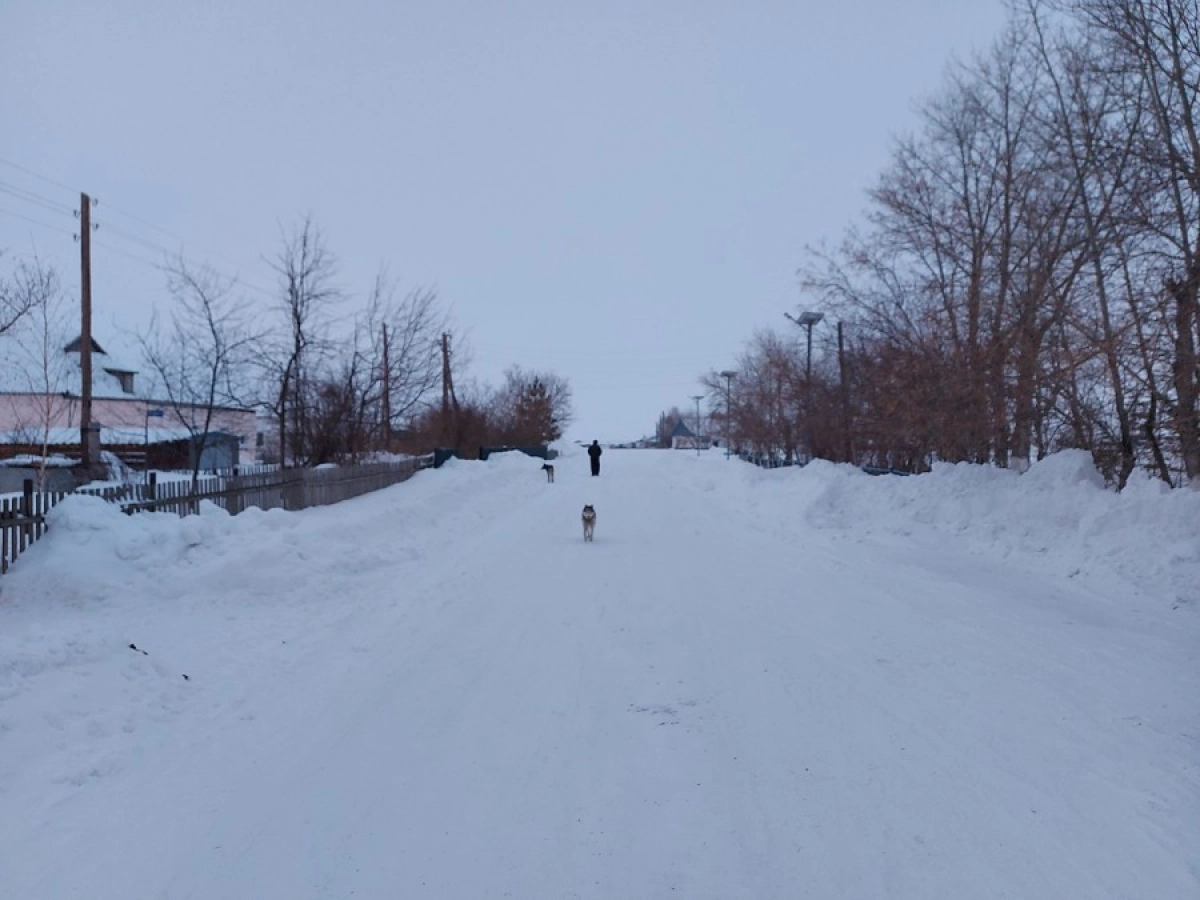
589 522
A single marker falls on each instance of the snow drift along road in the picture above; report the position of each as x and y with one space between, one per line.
798 683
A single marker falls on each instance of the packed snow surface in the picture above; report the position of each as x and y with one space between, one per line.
799 683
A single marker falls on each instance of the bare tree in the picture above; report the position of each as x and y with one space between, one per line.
15 299
1097 127
1154 45
472 422
768 401
201 353
35 354
379 377
532 408
295 359
400 338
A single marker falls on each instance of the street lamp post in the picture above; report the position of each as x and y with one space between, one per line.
727 374
807 320
697 398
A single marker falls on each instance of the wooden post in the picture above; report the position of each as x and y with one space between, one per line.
233 497
89 443
387 394
27 512
847 438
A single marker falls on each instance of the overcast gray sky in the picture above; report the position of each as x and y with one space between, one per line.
618 191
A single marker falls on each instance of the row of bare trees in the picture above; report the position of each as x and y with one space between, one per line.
341 385
529 409
1027 276
339 380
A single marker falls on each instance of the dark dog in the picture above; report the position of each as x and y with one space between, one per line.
589 522
549 470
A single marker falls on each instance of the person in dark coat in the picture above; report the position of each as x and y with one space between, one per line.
594 452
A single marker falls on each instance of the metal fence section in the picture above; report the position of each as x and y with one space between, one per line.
23 518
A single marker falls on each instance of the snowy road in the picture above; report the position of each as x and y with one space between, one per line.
716 699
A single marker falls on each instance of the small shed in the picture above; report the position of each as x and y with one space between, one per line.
683 438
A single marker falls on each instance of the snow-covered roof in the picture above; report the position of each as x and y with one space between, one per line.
22 371
59 437
29 459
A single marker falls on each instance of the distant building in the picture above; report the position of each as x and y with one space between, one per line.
683 438
40 402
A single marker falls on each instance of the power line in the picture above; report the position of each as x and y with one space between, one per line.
125 234
36 199
579 383
137 239
17 215
177 254
157 266
162 267
128 255
167 232
53 206
27 171
145 222
109 228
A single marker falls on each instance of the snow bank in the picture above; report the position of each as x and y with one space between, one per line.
1057 518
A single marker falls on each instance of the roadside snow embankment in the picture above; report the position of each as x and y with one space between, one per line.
1058 518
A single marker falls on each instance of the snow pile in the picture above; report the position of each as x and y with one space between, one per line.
1057 518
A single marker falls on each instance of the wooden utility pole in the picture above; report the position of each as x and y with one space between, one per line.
844 385
387 394
449 423
89 436
445 378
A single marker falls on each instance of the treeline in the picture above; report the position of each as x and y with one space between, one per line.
391 385
340 377
1027 273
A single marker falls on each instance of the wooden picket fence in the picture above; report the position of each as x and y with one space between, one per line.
23 521
23 518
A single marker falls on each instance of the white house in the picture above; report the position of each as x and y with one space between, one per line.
40 404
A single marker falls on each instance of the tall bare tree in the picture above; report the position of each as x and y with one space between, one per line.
769 400
1154 45
35 354
295 357
400 336
201 353
1096 120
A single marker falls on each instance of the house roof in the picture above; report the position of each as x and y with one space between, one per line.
61 437
681 430
76 345
22 371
